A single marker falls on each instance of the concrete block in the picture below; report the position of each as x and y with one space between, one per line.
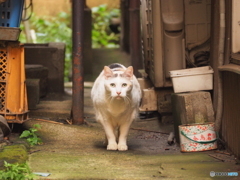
52 57
164 100
164 107
191 108
149 100
33 88
144 83
36 71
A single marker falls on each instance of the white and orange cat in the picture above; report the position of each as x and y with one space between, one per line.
116 95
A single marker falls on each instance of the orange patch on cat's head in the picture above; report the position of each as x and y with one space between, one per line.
125 72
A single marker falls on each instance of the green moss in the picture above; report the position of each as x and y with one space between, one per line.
13 154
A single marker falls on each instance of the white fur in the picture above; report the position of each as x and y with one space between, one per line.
116 106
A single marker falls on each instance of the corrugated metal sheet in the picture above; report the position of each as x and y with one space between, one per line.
231 112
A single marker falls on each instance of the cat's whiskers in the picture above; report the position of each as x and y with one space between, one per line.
110 99
127 100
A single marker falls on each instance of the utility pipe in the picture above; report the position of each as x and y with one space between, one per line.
220 63
135 36
77 62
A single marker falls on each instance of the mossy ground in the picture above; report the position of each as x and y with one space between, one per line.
16 153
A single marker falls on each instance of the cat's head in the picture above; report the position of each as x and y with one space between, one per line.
118 82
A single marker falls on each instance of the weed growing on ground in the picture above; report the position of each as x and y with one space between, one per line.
16 172
31 136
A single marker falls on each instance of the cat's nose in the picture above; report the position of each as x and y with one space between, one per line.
118 93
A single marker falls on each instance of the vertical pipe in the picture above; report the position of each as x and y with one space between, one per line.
124 41
77 62
221 43
135 36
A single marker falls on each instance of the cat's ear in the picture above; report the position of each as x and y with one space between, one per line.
107 72
129 72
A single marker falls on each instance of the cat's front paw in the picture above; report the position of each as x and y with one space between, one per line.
112 147
122 147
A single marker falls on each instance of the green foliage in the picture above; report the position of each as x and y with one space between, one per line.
16 172
31 136
58 29
102 37
53 29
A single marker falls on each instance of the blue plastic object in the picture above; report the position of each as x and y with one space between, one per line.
11 13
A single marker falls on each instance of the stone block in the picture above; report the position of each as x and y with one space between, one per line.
149 100
144 83
191 108
164 107
52 57
36 71
33 86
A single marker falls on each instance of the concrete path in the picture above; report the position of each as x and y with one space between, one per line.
77 152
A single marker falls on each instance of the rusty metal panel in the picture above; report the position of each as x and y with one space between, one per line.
231 112
13 98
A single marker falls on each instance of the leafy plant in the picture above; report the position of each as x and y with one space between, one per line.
16 172
102 37
53 29
58 29
31 136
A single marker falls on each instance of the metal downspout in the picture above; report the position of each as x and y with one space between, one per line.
220 63
135 36
77 62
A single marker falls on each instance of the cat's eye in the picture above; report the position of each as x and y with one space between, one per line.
124 85
112 85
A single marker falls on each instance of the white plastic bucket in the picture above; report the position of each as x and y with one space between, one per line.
197 137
